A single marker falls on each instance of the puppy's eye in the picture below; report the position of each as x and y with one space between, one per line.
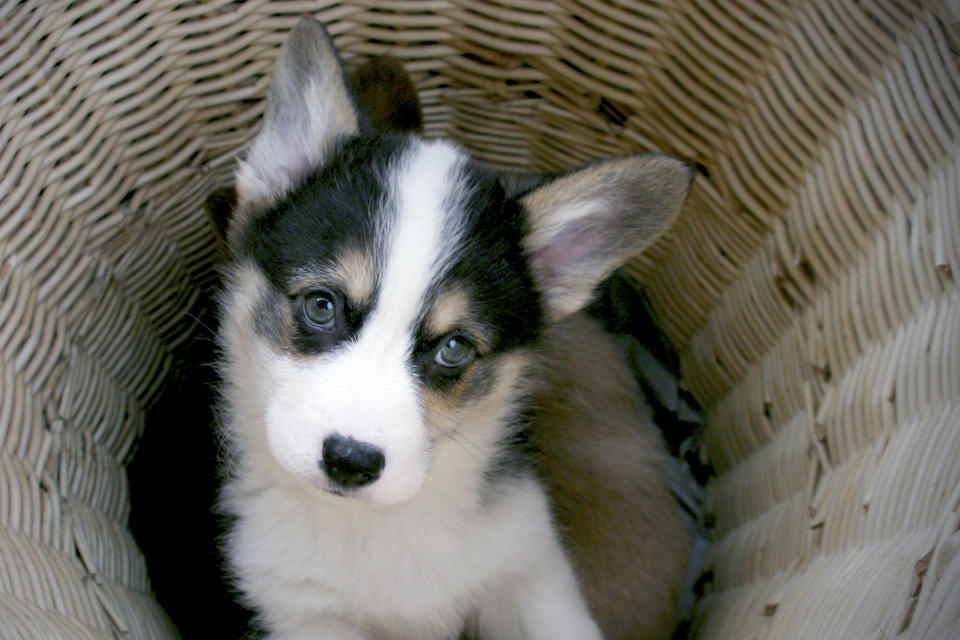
319 309
454 352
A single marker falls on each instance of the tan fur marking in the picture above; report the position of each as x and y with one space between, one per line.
451 310
443 410
356 271
352 274
440 412
447 410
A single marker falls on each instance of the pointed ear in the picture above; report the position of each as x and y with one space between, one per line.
385 91
309 108
585 224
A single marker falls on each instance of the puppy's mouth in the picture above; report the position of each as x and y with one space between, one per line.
335 491
328 487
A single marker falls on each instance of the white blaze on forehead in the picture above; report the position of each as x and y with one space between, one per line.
368 391
427 191
378 398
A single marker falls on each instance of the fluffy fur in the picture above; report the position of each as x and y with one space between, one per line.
425 436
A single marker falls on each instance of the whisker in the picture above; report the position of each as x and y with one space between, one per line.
474 450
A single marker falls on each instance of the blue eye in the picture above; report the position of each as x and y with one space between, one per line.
319 309
454 352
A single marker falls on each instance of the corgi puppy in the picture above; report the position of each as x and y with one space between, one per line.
425 438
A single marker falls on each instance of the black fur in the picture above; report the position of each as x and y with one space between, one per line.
493 264
333 209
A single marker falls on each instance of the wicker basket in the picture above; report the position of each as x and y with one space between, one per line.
810 286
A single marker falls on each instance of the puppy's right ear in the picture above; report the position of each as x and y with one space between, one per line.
309 108
584 224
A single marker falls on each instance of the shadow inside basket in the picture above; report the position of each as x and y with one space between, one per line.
173 484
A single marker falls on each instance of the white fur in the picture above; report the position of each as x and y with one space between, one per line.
416 570
424 550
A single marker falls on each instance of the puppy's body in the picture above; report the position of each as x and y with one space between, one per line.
602 462
402 408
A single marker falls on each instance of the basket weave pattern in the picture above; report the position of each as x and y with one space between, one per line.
810 285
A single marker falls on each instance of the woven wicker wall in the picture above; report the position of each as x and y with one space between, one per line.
810 287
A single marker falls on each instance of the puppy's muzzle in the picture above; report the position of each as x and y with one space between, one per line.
351 464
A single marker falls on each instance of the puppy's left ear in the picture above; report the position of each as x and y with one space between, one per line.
309 108
585 224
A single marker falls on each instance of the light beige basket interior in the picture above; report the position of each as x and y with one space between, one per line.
811 286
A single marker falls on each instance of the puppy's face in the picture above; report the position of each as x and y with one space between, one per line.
385 289
384 304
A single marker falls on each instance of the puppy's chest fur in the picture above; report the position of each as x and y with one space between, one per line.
419 569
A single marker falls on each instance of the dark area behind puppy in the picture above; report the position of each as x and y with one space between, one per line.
173 486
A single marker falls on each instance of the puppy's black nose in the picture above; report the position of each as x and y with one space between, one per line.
350 463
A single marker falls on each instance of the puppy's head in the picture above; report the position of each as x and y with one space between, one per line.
385 290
